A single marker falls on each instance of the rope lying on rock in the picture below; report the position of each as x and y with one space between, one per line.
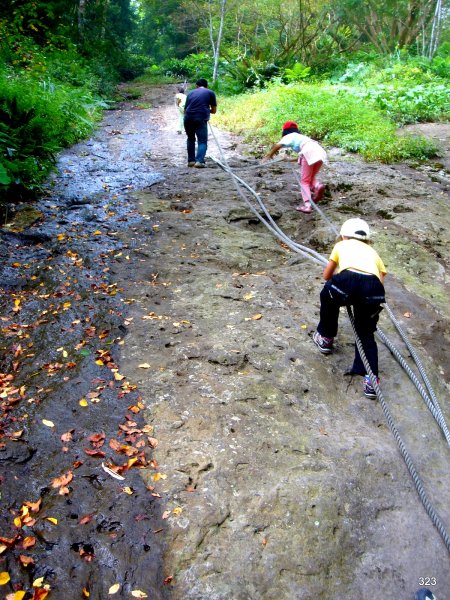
432 402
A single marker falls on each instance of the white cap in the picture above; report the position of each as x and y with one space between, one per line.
355 228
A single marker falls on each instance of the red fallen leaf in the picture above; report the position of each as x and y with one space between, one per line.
168 580
63 480
152 442
98 453
86 519
77 464
97 439
67 437
8 541
40 594
26 560
140 517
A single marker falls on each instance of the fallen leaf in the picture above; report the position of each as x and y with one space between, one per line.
166 514
52 520
28 541
98 453
4 578
26 560
178 510
16 596
114 589
48 423
127 490
67 437
63 480
256 317
86 519
144 366
158 476
408 315
86 593
83 402
3 547
38 582
168 580
138 594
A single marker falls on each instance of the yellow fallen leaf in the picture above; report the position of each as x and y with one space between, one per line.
114 589
127 490
48 423
17 595
86 593
158 476
249 296
38 582
144 366
118 376
256 317
4 577
3 548
83 402
97 232
138 594
18 522
178 510
303 326
52 520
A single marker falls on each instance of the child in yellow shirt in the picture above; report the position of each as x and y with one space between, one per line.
354 276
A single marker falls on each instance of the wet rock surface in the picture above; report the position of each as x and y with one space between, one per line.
272 476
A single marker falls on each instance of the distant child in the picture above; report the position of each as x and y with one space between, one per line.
311 158
358 282
180 101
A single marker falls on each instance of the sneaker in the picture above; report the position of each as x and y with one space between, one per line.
199 165
324 344
368 388
424 594
191 164
305 208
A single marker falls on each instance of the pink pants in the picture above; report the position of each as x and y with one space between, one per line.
308 181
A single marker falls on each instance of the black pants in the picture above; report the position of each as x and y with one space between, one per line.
364 293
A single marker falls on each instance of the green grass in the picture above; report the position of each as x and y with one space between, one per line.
324 112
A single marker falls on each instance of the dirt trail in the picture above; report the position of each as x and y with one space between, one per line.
273 477
283 481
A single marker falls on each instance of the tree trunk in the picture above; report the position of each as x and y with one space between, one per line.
219 39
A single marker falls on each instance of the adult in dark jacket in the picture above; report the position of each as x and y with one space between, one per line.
200 103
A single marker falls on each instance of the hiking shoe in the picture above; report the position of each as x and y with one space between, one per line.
324 344
305 208
191 163
199 165
369 391
424 594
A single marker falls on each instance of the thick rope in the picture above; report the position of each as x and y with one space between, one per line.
436 520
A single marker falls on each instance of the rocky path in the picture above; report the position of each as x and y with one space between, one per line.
271 475
282 480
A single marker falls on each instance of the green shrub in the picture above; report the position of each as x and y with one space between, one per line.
325 113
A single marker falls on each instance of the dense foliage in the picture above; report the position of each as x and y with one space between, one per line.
61 59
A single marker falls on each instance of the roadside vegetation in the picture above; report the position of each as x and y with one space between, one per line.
346 84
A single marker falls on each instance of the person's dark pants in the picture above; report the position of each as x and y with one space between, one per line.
364 293
196 129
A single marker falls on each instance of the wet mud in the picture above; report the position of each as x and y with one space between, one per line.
148 315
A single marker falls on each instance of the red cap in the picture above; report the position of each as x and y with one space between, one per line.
290 125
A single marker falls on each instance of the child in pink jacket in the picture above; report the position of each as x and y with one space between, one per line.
311 158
